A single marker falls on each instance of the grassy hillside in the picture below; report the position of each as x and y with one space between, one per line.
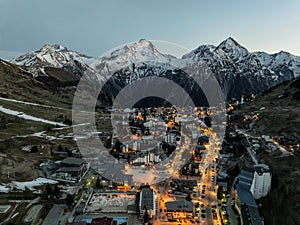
16 132
279 109
18 84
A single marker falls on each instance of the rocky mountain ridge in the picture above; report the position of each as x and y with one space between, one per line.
238 71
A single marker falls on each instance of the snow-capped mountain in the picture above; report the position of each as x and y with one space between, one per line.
241 72
52 56
238 71
55 56
281 63
232 49
138 52
131 62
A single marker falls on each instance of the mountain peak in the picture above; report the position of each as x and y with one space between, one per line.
133 48
136 52
204 49
231 41
51 55
55 47
282 52
144 41
232 48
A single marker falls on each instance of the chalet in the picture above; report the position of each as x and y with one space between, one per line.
71 169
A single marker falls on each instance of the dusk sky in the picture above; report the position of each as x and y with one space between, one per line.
93 27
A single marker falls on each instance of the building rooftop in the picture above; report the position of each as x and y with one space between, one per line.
261 169
147 199
246 174
254 216
68 169
223 184
180 205
184 182
245 179
222 175
250 215
73 161
245 196
55 214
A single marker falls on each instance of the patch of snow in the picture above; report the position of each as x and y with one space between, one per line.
39 134
263 57
87 60
51 138
31 184
4 189
47 58
30 103
28 117
14 215
42 69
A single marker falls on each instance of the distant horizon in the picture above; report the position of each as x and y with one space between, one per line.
178 52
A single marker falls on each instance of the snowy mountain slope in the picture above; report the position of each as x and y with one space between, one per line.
51 55
141 59
238 71
138 52
78 68
241 72
55 56
280 60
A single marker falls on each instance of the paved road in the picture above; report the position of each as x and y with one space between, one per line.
210 192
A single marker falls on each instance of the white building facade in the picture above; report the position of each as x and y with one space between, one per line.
261 183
